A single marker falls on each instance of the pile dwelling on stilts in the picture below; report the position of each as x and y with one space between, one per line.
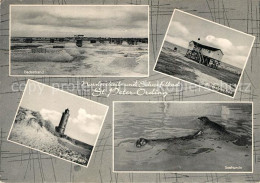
204 54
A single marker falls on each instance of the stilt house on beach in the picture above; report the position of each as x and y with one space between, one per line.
204 54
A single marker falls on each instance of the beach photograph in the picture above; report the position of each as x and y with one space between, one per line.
182 137
204 53
57 123
75 40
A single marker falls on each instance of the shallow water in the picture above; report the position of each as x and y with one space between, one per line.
210 152
90 59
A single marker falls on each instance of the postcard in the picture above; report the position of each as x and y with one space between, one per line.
57 123
190 137
79 40
204 53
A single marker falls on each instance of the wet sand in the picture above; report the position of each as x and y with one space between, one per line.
174 63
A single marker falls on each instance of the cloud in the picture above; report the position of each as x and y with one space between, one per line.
222 43
89 20
83 116
181 28
243 49
236 60
178 41
178 29
91 128
82 22
88 123
234 55
51 115
178 34
226 46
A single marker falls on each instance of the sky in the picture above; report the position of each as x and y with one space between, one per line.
91 21
235 45
86 116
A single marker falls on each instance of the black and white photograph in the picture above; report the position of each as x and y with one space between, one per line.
79 40
58 123
204 53
193 137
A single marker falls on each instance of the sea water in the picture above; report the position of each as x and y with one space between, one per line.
211 152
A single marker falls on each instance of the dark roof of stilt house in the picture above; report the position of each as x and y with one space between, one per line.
206 47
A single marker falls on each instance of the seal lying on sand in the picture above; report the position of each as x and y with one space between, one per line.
206 124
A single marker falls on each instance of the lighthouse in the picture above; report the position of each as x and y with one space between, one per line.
63 122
